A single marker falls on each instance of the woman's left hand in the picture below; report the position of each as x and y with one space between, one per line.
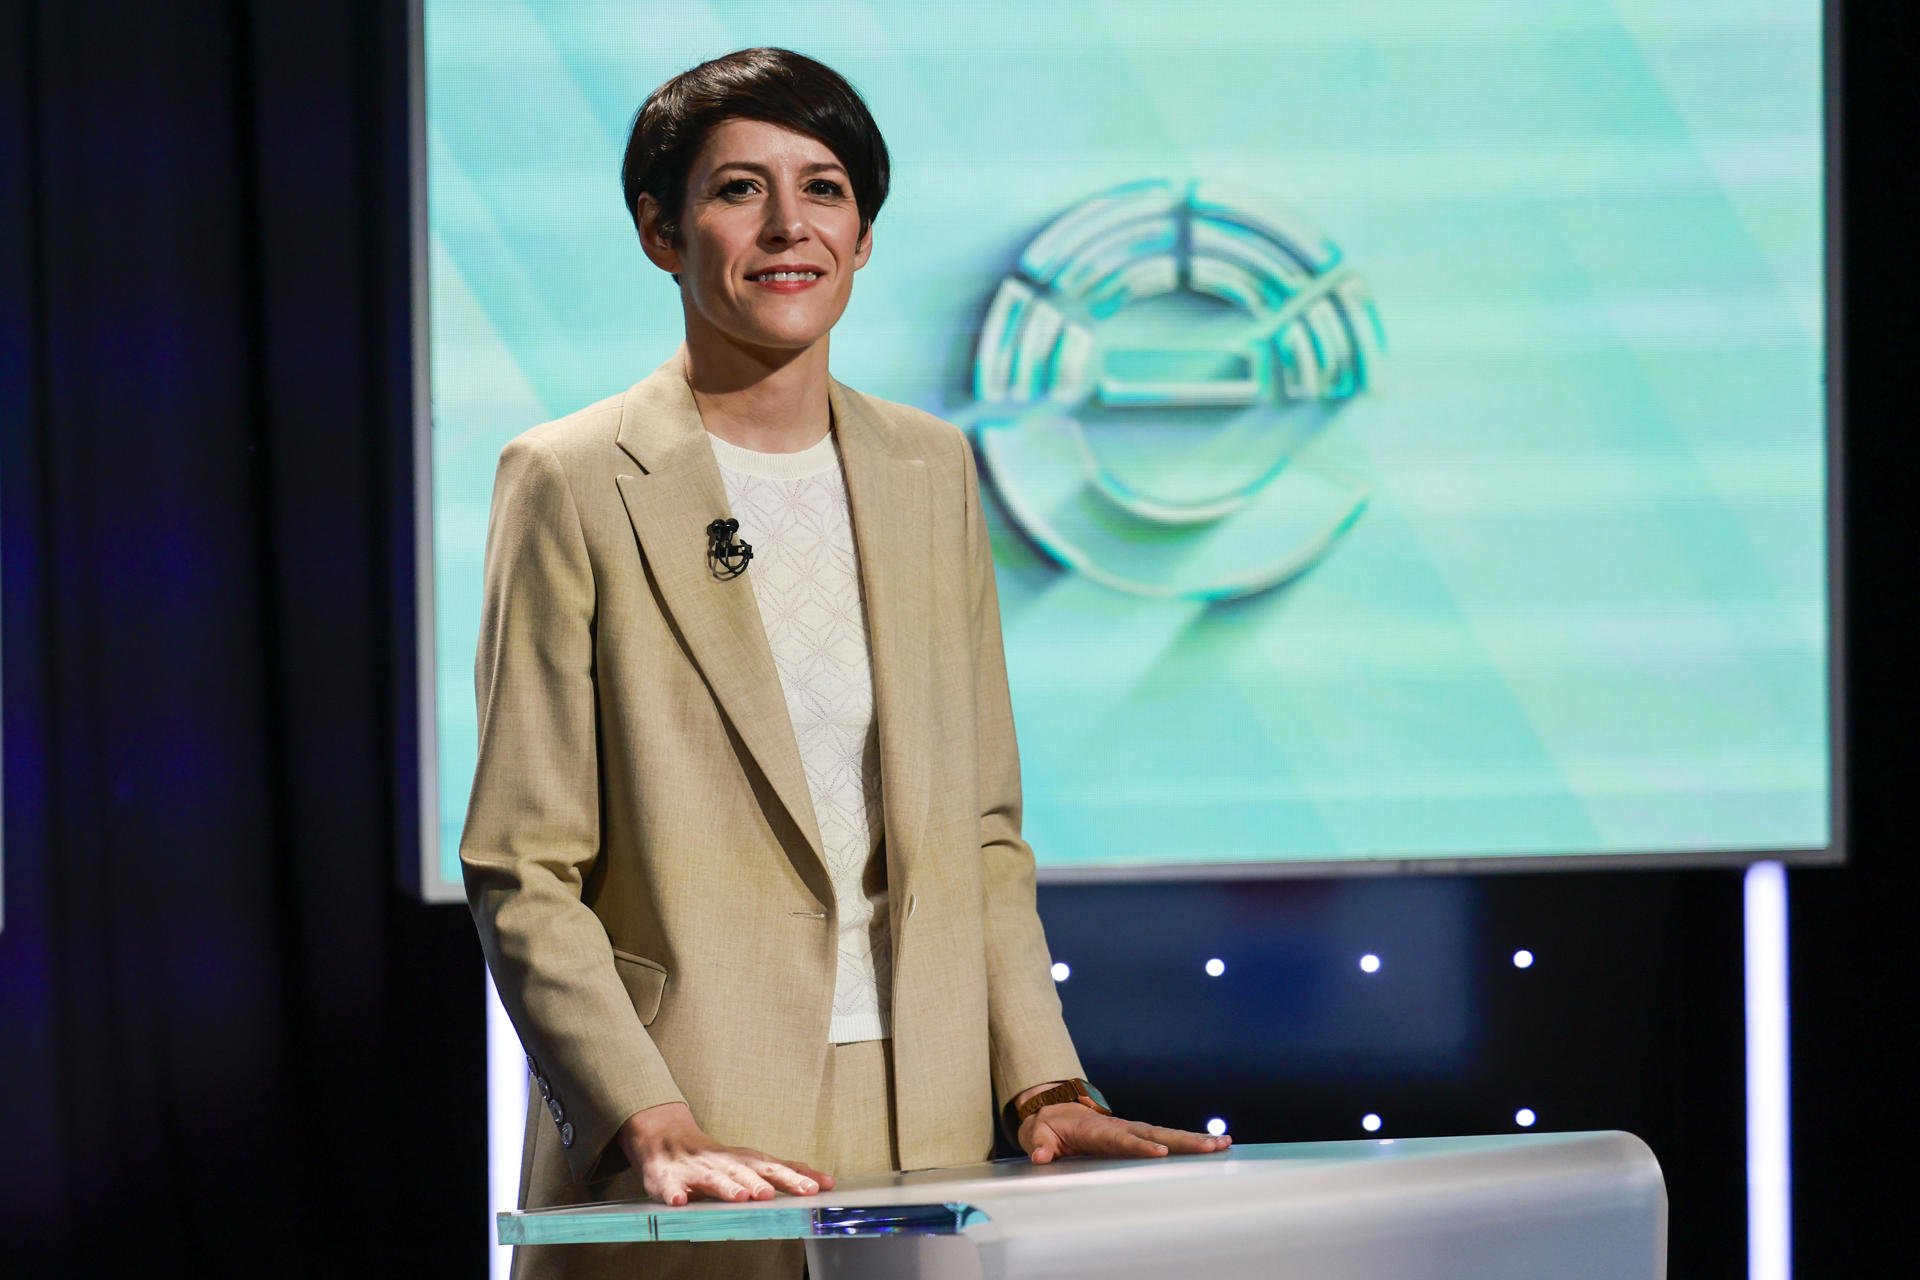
1071 1129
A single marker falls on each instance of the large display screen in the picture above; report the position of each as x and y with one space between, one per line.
1403 423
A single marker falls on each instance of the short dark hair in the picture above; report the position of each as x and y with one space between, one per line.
778 86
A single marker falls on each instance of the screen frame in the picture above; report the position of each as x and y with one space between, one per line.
419 838
420 870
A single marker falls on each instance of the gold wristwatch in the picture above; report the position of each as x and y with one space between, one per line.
1074 1090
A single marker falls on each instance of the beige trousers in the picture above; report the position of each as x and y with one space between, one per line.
857 1129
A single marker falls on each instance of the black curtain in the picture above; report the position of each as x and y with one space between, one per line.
230 1045
1855 965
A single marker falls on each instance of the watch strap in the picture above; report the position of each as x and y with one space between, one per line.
1074 1090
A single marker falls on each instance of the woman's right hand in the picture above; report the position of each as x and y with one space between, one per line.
677 1160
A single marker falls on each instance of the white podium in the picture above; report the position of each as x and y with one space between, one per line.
1569 1206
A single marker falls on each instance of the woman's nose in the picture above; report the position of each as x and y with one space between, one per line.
784 221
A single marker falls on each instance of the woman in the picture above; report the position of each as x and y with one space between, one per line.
744 840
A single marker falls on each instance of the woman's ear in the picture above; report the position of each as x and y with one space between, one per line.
864 249
656 234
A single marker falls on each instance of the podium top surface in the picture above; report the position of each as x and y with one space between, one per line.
1368 1176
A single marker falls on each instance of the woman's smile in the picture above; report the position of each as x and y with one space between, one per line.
787 279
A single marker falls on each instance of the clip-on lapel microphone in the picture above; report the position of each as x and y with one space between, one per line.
726 555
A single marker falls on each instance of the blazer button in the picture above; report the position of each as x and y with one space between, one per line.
559 1113
566 1134
913 905
533 1068
546 1090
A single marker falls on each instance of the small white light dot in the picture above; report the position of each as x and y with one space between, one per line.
1524 1117
1369 963
1060 971
1216 1126
1370 1122
1523 959
1386 1142
1216 967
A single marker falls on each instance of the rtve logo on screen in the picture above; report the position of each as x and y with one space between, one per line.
1154 383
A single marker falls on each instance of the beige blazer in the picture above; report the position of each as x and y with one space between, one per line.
640 851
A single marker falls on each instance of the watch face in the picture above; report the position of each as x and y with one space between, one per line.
1096 1095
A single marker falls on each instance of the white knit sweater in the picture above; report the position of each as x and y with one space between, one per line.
805 573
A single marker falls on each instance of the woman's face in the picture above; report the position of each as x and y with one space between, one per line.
762 197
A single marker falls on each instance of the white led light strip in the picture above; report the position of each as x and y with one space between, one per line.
1769 1176
506 1123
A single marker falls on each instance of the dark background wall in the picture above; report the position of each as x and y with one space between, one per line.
226 1040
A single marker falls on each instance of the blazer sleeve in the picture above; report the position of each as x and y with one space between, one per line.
1028 1037
533 821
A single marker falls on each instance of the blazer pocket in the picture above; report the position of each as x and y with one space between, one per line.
645 981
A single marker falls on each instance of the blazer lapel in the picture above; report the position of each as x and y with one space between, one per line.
670 505
892 528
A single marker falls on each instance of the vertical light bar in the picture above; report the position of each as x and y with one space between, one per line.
506 1123
1769 1178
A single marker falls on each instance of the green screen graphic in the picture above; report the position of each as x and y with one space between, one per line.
1403 423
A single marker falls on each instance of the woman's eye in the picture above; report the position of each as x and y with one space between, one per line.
819 186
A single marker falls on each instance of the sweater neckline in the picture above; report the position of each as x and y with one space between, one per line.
821 455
